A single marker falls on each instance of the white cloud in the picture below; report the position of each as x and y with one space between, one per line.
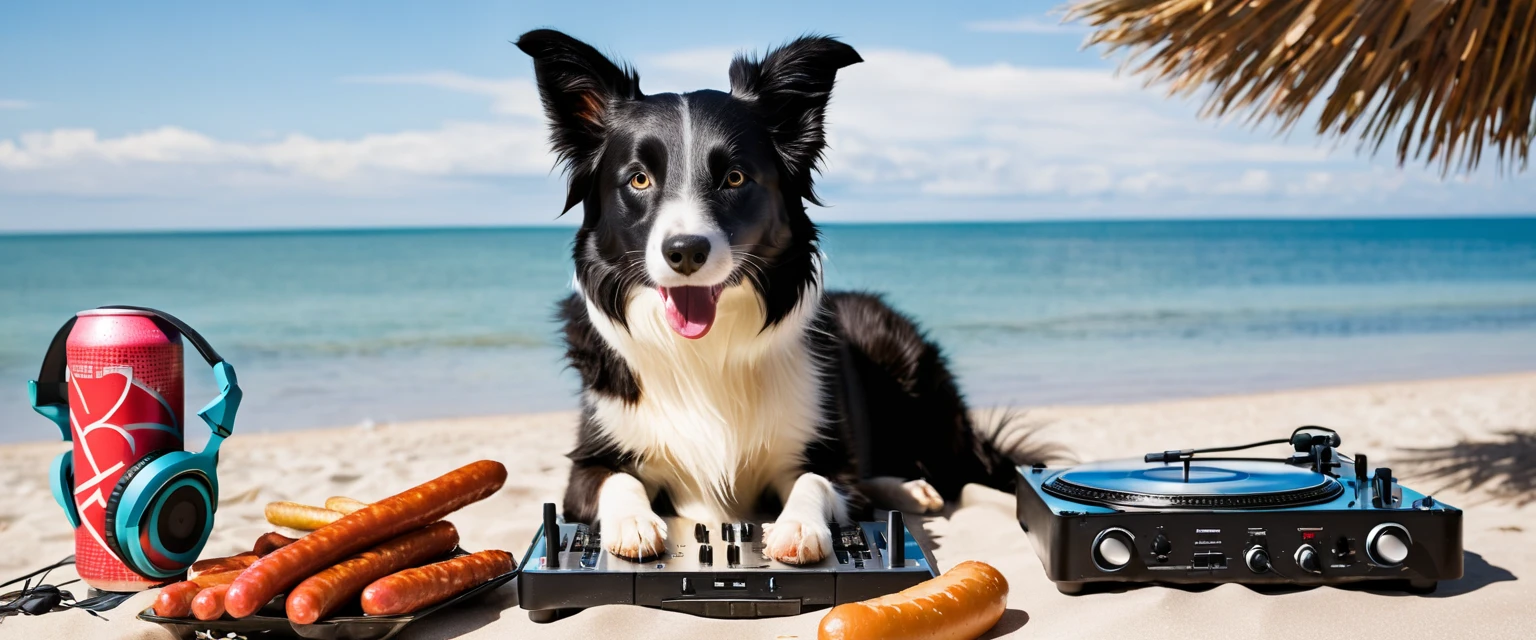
80 162
1027 24
13 105
998 130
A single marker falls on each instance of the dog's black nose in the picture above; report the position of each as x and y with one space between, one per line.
686 254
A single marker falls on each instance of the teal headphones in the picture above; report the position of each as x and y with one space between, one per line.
160 513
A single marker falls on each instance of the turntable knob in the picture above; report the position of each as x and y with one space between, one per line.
1306 558
1388 544
1257 559
1112 549
1160 544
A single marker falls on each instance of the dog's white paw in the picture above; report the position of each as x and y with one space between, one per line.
635 536
923 498
792 540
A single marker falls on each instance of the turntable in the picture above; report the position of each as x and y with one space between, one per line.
1194 516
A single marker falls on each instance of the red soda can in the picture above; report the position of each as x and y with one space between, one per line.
125 382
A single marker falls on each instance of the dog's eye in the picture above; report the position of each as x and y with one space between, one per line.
640 181
735 179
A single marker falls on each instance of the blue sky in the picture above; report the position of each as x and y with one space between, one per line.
277 114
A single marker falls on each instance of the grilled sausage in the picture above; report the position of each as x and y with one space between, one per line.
959 605
360 530
319 595
175 600
271 541
413 589
209 603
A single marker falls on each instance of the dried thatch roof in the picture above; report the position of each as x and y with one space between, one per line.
1440 79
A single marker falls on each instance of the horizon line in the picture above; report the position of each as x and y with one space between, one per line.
6 234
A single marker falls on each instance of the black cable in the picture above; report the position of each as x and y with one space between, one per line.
44 571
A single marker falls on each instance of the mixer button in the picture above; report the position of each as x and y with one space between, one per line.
1388 544
747 531
706 554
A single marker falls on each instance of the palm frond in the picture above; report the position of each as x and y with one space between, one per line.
1441 80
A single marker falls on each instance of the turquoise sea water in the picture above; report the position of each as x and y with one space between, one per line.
334 328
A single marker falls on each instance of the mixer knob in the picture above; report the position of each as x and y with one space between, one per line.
1257 560
706 554
1306 558
1388 544
1160 544
1112 549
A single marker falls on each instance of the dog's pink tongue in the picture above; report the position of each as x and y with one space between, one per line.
690 310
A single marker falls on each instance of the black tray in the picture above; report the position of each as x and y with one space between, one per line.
272 622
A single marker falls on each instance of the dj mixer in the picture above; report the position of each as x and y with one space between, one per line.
717 572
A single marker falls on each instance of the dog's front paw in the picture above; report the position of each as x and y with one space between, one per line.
635 536
921 497
792 540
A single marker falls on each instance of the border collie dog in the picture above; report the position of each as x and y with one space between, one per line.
718 377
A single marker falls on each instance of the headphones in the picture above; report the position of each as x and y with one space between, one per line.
160 513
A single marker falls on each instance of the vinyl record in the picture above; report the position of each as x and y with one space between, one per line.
1210 484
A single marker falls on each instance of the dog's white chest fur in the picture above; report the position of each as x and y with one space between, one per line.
721 419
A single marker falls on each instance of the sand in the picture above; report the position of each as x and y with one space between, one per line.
1494 600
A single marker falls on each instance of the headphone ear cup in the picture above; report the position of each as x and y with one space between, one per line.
61 479
113 544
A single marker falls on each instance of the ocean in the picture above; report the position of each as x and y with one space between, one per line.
343 327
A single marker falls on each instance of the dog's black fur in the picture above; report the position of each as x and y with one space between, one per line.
893 407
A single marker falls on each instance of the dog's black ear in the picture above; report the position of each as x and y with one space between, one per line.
579 87
789 89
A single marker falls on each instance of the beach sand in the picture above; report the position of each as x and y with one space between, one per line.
1496 599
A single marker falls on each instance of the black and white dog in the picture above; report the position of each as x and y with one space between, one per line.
715 370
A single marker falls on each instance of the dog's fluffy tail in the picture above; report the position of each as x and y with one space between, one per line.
1007 438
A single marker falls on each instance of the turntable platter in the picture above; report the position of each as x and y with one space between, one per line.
1210 484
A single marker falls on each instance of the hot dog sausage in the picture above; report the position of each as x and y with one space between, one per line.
271 541
343 504
360 530
209 603
414 589
959 605
322 593
236 562
175 600
300 516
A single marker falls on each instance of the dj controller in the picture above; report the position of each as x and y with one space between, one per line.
718 572
1175 517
